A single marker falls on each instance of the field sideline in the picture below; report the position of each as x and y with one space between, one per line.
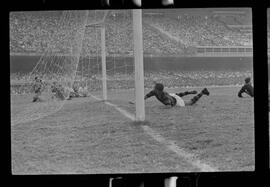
88 136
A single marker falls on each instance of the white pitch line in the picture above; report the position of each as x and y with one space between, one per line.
95 97
122 111
190 158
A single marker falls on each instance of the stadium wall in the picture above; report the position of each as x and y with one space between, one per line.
224 51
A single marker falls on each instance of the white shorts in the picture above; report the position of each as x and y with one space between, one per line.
179 100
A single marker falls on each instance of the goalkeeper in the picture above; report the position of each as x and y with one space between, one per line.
247 88
174 99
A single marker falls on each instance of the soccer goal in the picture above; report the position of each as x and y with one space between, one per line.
114 70
90 53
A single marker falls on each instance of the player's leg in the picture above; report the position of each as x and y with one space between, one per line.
197 97
36 97
70 95
61 95
181 94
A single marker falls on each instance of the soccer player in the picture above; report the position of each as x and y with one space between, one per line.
247 88
70 92
174 99
82 91
37 86
76 89
58 91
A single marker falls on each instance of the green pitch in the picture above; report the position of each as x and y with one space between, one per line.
88 136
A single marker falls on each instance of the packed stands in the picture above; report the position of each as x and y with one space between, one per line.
192 30
34 32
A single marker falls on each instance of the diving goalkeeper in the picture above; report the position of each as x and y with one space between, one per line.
174 99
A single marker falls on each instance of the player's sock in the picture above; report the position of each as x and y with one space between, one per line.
196 98
181 94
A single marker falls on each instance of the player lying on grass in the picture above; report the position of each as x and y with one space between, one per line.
38 88
78 91
58 91
247 88
83 91
174 99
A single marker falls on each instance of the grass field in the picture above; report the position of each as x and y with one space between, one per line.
89 136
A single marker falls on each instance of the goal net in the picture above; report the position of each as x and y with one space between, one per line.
71 65
118 52
49 81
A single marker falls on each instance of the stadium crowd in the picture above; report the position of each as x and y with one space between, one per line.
34 32
193 30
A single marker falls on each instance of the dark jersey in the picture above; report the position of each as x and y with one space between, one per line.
58 90
37 87
248 89
162 96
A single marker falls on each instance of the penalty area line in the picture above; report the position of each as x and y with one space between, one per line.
190 158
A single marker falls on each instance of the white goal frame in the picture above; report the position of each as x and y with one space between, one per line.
138 60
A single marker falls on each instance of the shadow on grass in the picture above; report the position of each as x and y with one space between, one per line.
140 123
96 102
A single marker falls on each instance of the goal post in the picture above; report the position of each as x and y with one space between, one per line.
138 63
101 25
170 182
138 59
78 52
103 62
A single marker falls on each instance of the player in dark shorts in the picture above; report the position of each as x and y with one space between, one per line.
174 99
247 88
37 87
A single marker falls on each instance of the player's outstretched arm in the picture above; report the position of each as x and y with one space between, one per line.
150 94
